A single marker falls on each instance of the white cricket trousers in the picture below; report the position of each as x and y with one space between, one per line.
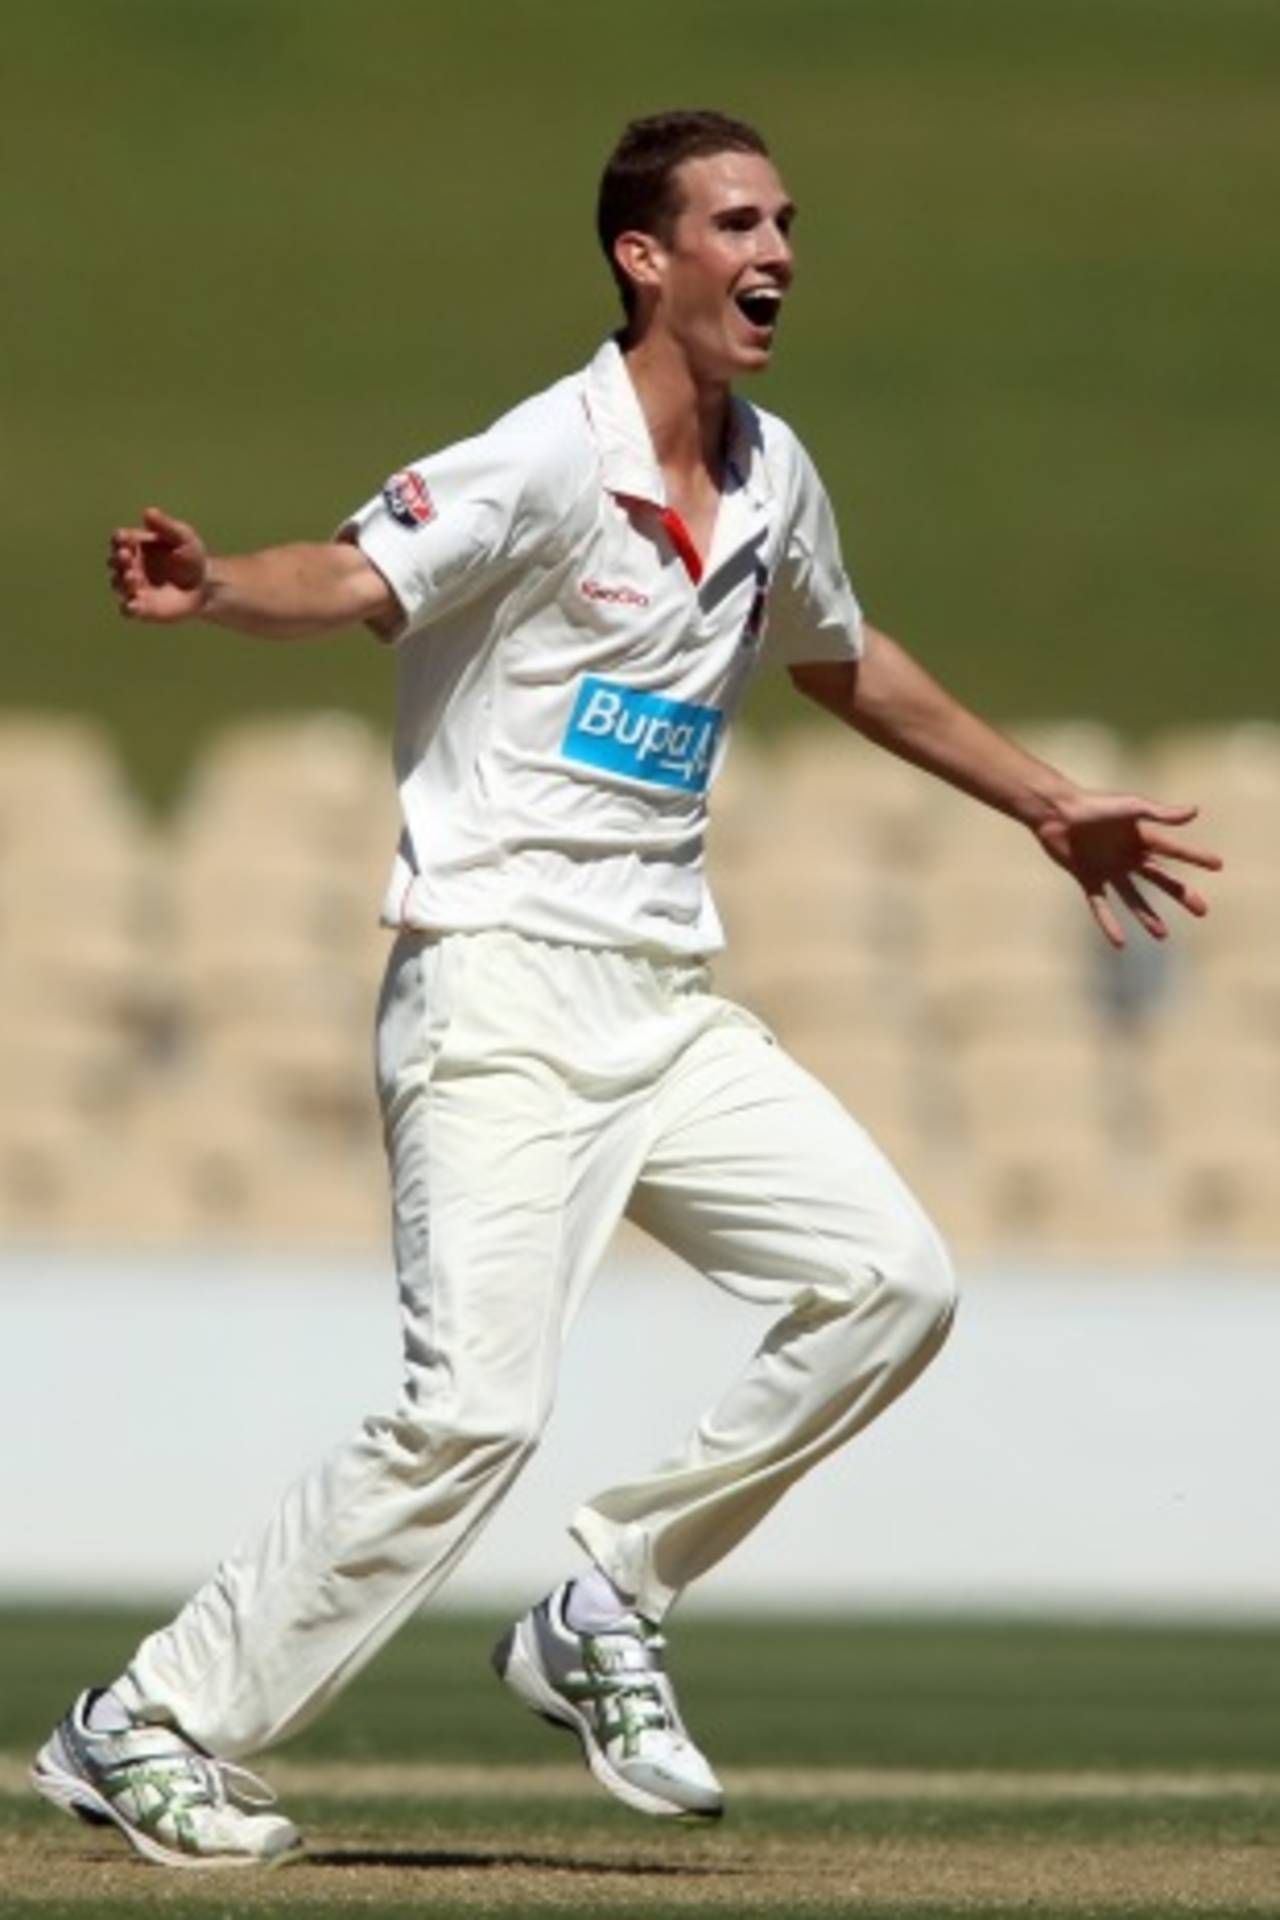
533 1094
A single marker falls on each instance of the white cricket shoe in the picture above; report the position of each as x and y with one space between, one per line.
612 1690
172 1801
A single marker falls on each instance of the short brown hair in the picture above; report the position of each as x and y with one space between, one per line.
638 189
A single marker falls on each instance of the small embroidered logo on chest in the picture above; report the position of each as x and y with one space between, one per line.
614 596
755 619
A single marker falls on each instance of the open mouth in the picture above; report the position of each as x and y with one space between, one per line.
761 306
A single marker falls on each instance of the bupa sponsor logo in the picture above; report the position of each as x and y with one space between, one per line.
409 499
619 596
642 736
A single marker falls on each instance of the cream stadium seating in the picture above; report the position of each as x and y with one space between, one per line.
185 1005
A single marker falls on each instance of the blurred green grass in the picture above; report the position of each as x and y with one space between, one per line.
261 251
762 1691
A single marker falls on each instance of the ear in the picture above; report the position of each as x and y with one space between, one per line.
640 257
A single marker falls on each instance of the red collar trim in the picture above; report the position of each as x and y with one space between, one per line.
682 540
673 526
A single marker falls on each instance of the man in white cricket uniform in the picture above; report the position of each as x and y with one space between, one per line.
577 599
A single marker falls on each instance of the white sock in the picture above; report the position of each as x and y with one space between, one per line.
108 1714
594 1604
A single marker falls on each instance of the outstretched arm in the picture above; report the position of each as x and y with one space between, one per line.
1103 840
163 572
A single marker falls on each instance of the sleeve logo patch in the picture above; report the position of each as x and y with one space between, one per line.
408 499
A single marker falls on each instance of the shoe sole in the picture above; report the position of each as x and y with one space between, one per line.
517 1666
73 1795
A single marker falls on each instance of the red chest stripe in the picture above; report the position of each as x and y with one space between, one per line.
682 540
673 526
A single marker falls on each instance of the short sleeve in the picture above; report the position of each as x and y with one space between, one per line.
444 529
813 612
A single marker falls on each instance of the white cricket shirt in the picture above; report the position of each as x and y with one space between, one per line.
568 671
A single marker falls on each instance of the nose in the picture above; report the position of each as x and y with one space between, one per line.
776 252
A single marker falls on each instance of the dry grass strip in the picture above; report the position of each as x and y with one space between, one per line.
668 1873
662 1870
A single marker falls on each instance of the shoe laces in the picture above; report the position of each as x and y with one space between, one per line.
239 1786
198 1779
627 1678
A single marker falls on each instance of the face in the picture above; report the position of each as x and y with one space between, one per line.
720 278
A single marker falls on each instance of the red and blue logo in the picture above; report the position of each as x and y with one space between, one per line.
408 499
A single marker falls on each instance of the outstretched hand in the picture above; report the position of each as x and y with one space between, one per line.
159 570
1116 840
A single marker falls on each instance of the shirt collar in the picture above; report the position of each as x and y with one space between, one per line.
626 446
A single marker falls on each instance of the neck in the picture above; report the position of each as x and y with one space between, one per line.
687 418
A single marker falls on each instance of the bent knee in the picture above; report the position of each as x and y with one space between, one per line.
921 1279
907 1275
